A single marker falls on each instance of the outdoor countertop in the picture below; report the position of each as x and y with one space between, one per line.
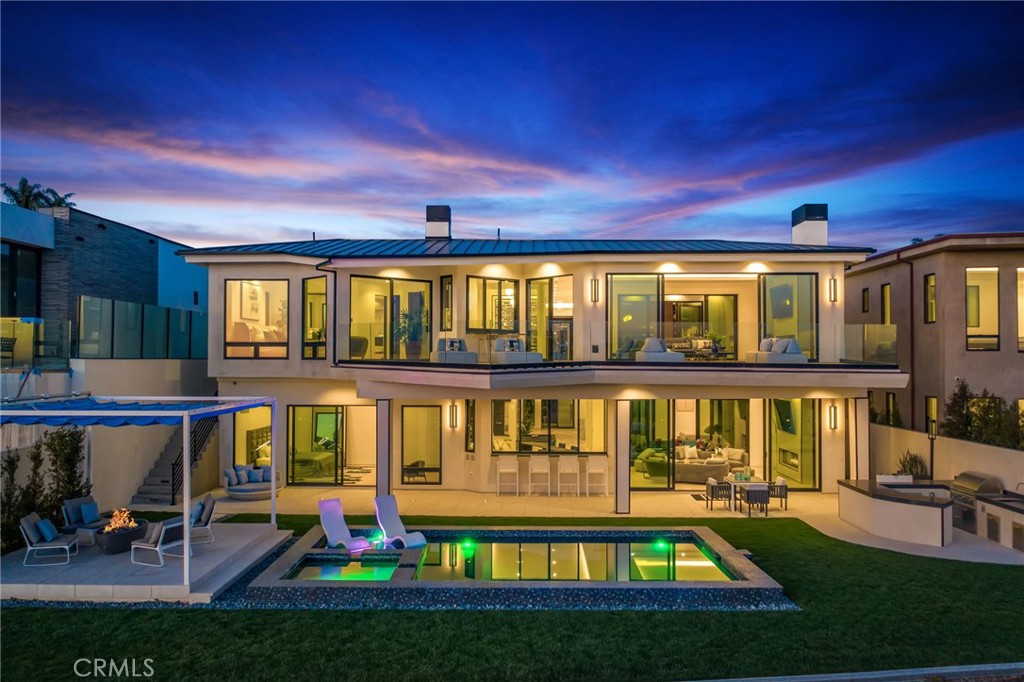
881 491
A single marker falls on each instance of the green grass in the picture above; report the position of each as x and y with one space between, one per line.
862 609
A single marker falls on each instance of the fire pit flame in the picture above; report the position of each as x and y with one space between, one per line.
120 520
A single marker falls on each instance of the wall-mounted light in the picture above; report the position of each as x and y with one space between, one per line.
595 290
833 417
833 289
453 416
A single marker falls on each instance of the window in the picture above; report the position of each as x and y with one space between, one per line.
929 298
492 305
328 444
421 445
632 313
865 300
447 303
892 415
19 281
252 437
982 308
1020 310
789 308
255 318
549 317
931 411
314 318
390 319
470 426
886 304
547 426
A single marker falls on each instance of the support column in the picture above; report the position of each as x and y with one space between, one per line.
186 499
383 447
862 461
622 457
273 462
88 454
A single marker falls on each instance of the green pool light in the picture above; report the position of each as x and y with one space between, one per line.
468 544
660 544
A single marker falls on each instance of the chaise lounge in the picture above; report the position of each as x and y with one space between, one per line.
391 524
336 530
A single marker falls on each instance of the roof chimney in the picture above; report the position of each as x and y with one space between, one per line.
810 224
439 222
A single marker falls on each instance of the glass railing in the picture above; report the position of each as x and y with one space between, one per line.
34 343
589 342
110 329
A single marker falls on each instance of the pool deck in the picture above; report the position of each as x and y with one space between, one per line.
819 510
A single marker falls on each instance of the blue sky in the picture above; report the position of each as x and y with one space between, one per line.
216 123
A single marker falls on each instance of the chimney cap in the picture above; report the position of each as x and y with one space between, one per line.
809 212
439 214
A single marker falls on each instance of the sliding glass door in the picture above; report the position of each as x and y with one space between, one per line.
328 446
391 319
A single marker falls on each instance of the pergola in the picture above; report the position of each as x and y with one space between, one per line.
88 410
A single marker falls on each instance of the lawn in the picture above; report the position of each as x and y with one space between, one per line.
862 609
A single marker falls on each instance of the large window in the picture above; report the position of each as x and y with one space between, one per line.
789 307
470 425
314 318
390 319
929 298
651 446
1020 309
329 444
252 437
20 281
548 426
793 442
256 318
492 305
549 317
633 302
421 444
886 298
982 308
447 303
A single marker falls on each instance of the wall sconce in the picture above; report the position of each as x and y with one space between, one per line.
595 290
833 417
453 416
833 289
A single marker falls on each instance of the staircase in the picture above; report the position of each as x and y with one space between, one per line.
156 487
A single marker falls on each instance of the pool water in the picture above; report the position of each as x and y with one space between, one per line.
660 560
345 569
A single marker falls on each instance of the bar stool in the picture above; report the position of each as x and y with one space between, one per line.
597 466
508 465
569 465
540 467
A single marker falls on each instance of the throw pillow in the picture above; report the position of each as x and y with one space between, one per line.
196 512
90 512
74 513
47 530
254 475
266 474
766 345
780 346
232 479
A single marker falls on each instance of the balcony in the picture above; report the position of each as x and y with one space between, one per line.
32 343
109 329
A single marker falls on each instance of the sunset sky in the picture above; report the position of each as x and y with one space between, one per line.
216 123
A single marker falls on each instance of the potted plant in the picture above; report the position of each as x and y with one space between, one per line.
913 464
410 328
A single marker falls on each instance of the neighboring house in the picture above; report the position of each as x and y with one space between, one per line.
417 362
957 303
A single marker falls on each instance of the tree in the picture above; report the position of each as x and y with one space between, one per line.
895 418
33 196
957 422
65 447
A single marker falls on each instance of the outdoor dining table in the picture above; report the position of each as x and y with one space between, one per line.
734 484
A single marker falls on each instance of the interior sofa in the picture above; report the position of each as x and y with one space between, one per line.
454 351
696 466
654 350
777 351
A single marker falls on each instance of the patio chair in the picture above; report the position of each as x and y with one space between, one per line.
714 490
202 529
336 531
32 529
160 538
755 494
391 524
82 513
779 490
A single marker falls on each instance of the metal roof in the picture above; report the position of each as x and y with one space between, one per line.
469 248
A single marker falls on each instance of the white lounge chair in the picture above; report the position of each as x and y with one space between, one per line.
336 530
391 524
161 537
36 544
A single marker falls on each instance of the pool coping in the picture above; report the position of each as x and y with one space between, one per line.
753 589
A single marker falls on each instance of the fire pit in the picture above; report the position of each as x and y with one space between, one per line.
118 535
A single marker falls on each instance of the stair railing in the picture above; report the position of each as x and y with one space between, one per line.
202 429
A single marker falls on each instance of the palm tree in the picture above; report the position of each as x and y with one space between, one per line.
24 195
33 196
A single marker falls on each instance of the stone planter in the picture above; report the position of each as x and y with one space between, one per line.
121 541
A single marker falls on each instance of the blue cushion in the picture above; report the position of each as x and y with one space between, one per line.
254 476
74 514
229 474
47 530
196 512
266 474
90 512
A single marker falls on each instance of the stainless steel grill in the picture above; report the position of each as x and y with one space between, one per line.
964 491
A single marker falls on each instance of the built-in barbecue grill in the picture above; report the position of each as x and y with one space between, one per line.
964 490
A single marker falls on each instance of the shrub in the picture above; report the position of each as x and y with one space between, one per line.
913 464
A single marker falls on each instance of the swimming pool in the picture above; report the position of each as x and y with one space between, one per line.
579 569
